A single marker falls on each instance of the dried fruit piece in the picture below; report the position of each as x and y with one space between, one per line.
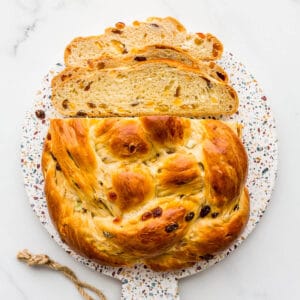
177 92
112 196
140 58
221 76
88 86
200 34
205 210
189 216
120 25
236 207
65 104
147 215
157 212
214 215
81 113
117 31
91 105
171 227
131 148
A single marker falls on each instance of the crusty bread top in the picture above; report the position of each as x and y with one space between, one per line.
156 87
122 40
164 191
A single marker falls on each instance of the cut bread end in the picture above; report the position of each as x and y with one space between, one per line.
121 40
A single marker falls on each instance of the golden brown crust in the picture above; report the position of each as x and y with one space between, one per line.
180 172
226 171
166 129
151 238
127 140
131 189
167 205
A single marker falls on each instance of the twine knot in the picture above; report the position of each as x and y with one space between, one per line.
31 260
45 260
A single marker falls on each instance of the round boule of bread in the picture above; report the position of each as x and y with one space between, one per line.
160 190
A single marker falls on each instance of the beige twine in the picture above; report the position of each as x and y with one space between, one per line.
45 260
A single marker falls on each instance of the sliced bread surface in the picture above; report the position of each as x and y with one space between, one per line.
152 52
155 87
122 40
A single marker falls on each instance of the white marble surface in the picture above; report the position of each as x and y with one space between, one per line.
265 35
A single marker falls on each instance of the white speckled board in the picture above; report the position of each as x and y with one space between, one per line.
259 138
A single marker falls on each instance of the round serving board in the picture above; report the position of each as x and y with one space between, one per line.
259 138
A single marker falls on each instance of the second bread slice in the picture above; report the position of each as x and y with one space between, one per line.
156 87
153 52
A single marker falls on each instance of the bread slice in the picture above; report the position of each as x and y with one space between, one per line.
122 40
149 53
155 87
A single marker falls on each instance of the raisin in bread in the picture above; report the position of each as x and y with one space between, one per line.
122 40
155 87
163 191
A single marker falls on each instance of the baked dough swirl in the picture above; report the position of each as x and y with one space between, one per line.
159 190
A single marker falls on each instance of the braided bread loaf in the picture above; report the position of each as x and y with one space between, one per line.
164 191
